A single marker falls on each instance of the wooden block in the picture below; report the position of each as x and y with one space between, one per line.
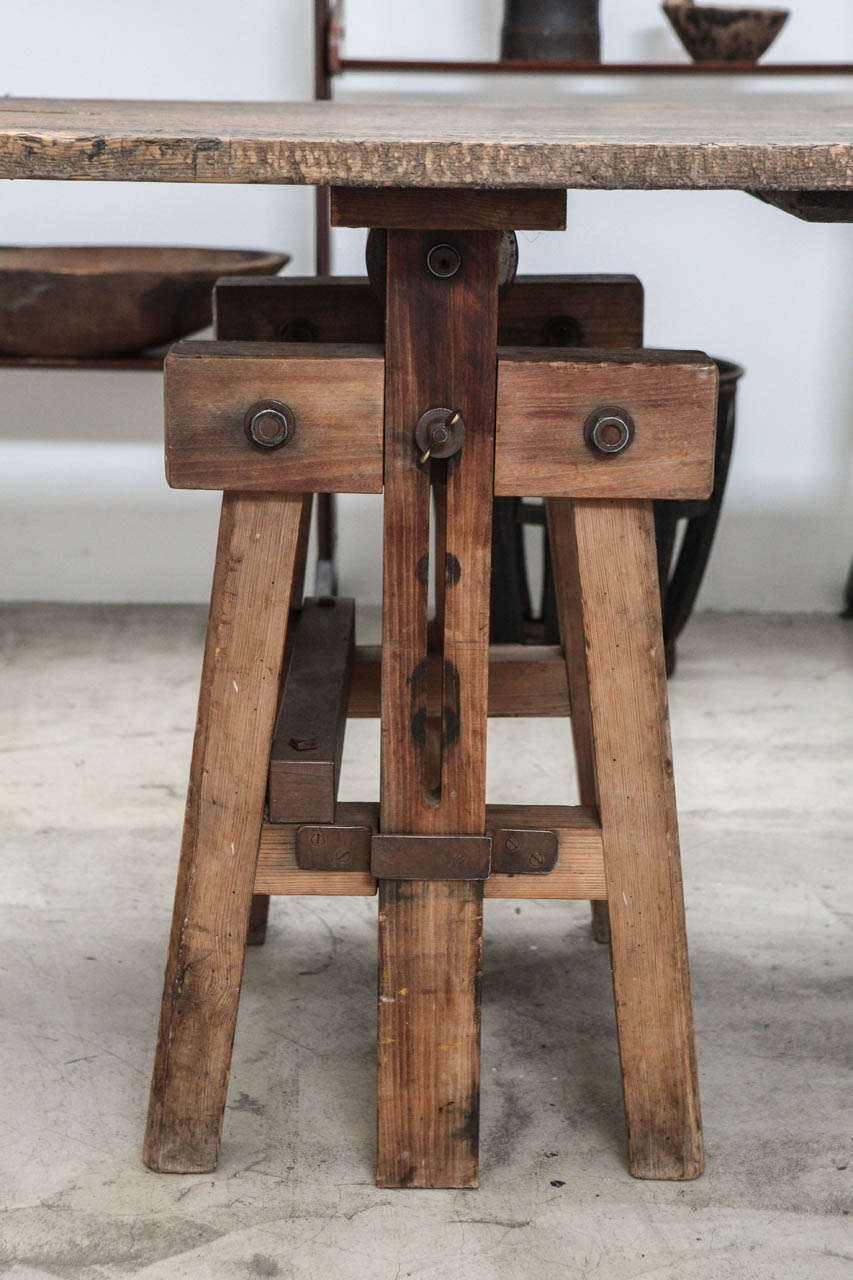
585 311
544 402
305 761
572 311
335 394
249 605
524 680
299 309
579 873
449 209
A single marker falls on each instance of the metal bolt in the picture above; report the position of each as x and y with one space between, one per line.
269 424
439 434
536 861
511 844
304 744
443 261
609 429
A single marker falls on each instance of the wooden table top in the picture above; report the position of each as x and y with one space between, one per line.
633 140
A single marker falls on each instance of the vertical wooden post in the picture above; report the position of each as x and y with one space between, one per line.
440 352
255 560
613 546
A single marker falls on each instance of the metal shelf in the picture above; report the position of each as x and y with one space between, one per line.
341 66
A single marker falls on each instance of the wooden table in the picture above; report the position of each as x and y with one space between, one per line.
475 170
758 141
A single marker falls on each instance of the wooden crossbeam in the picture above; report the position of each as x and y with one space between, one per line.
546 399
335 396
306 752
579 873
524 680
547 311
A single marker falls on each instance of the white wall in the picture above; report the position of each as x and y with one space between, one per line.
84 511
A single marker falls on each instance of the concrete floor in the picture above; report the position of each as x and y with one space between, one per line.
96 713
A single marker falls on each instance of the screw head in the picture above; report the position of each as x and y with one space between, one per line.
609 430
443 261
269 424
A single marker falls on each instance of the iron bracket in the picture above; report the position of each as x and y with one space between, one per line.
501 851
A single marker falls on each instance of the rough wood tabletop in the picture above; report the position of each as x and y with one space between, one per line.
759 141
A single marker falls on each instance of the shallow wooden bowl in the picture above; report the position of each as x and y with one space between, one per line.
711 33
98 301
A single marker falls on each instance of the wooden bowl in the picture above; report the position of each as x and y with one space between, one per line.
98 301
711 33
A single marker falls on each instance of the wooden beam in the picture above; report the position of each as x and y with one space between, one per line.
305 760
579 873
545 400
550 311
449 209
524 680
335 395
249 605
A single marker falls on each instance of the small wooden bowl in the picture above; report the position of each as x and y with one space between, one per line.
711 33
85 302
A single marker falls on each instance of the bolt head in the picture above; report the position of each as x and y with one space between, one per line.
443 261
609 430
269 424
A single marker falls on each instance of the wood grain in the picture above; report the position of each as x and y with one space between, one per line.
630 724
440 350
255 560
459 208
305 759
334 392
602 310
579 873
524 680
545 399
640 140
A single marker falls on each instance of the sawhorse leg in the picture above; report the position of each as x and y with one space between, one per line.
611 587
259 538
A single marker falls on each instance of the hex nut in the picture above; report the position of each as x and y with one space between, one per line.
269 424
609 430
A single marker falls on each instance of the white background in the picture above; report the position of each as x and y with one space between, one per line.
84 510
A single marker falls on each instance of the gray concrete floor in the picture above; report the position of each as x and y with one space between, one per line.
96 713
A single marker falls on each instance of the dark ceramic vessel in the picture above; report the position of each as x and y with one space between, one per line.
713 34
85 302
551 31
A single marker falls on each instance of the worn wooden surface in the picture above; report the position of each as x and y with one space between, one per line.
639 139
582 310
441 345
579 872
255 560
524 680
305 760
460 207
545 398
620 604
335 394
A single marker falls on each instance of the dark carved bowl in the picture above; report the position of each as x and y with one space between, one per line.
87 302
714 34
